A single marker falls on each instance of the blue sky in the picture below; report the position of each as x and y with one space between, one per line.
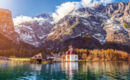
34 7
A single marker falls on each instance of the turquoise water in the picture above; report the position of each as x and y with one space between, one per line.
66 71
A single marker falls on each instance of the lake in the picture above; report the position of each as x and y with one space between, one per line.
66 71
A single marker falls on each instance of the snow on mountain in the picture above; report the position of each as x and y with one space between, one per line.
104 23
33 30
22 19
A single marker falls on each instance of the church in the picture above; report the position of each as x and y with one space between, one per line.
70 55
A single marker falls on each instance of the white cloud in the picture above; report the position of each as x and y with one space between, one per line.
21 19
64 9
85 3
67 7
88 3
106 1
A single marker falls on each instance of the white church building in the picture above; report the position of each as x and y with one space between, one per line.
70 55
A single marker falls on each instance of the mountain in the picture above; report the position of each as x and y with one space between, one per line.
93 27
7 25
8 37
119 24
34 30
5 42
107 24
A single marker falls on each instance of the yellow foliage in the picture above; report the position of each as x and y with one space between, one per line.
84 56
108 54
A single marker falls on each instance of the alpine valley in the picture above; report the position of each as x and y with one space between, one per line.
97 27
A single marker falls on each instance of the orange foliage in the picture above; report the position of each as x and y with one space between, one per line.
107 55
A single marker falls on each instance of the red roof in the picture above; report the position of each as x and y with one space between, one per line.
69 52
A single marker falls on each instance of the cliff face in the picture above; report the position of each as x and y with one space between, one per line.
7 25
5 43
6 22
8 37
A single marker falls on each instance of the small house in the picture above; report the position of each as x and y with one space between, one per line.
56 57
37 58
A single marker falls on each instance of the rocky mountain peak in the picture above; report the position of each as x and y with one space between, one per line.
7 25
45 16
104 23
127 10
108 23
35 29
117 10
6 22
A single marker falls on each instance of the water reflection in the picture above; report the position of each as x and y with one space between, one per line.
70 68
36 67
66 71
104 71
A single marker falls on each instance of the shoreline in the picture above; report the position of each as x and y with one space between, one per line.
45 62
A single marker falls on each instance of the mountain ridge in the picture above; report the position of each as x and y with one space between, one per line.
100 25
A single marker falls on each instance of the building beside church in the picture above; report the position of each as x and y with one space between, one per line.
38 56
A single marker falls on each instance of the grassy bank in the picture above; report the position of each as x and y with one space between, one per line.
20 59
25 60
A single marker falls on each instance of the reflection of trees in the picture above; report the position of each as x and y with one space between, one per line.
59 71
53 71
70 68
108 70
88 75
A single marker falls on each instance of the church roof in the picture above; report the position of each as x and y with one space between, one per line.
71 52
